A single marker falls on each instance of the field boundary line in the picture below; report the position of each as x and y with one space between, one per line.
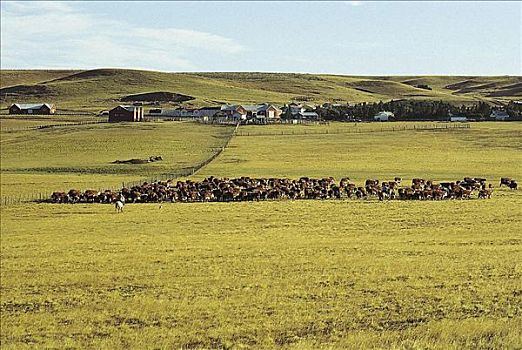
41 196
356 131
189 171
49 126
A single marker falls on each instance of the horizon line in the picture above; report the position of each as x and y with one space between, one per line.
261 72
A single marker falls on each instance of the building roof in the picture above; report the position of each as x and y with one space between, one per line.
265 106
251 108
309 114
128 108
32 105
389 114
229 107
259 108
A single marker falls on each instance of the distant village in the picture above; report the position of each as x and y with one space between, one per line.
266 113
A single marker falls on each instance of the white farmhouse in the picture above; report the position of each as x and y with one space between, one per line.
383 116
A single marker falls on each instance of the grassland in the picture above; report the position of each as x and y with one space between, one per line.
308 274
492 150
10 123
81 156
295 274
100 89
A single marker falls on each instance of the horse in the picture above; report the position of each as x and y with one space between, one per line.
119 206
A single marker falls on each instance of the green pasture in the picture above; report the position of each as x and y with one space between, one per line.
25 76
81 156
373 150
348 274
12 123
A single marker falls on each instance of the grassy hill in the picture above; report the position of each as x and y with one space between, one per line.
81 156
98 89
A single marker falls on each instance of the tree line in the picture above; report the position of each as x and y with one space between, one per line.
416 110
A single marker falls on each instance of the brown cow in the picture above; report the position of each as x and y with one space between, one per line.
417 182
371 182
59 197
74 196
485 194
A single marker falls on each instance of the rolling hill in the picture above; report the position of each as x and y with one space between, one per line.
98 89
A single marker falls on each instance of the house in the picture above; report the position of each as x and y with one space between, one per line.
262 112
32 108
234 112
498 114
269 111
384 116
126 114
293 110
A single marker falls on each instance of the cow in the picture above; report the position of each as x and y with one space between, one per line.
505 181
73 196
59 197
214 189
90 196
417 182
371 182
485 194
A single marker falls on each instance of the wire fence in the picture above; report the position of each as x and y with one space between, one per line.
356 130
23 198
184 172
47 126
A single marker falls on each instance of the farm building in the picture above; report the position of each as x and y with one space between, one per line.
32 108
207 111
269 111
383 116
126 114
293 110
498 114
307 115
456 118
191 112
262 112
234 111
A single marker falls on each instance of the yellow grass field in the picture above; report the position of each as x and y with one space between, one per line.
345 274
81 156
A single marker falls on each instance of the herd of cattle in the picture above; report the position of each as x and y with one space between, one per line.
215 189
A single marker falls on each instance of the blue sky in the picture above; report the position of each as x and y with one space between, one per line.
351 37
